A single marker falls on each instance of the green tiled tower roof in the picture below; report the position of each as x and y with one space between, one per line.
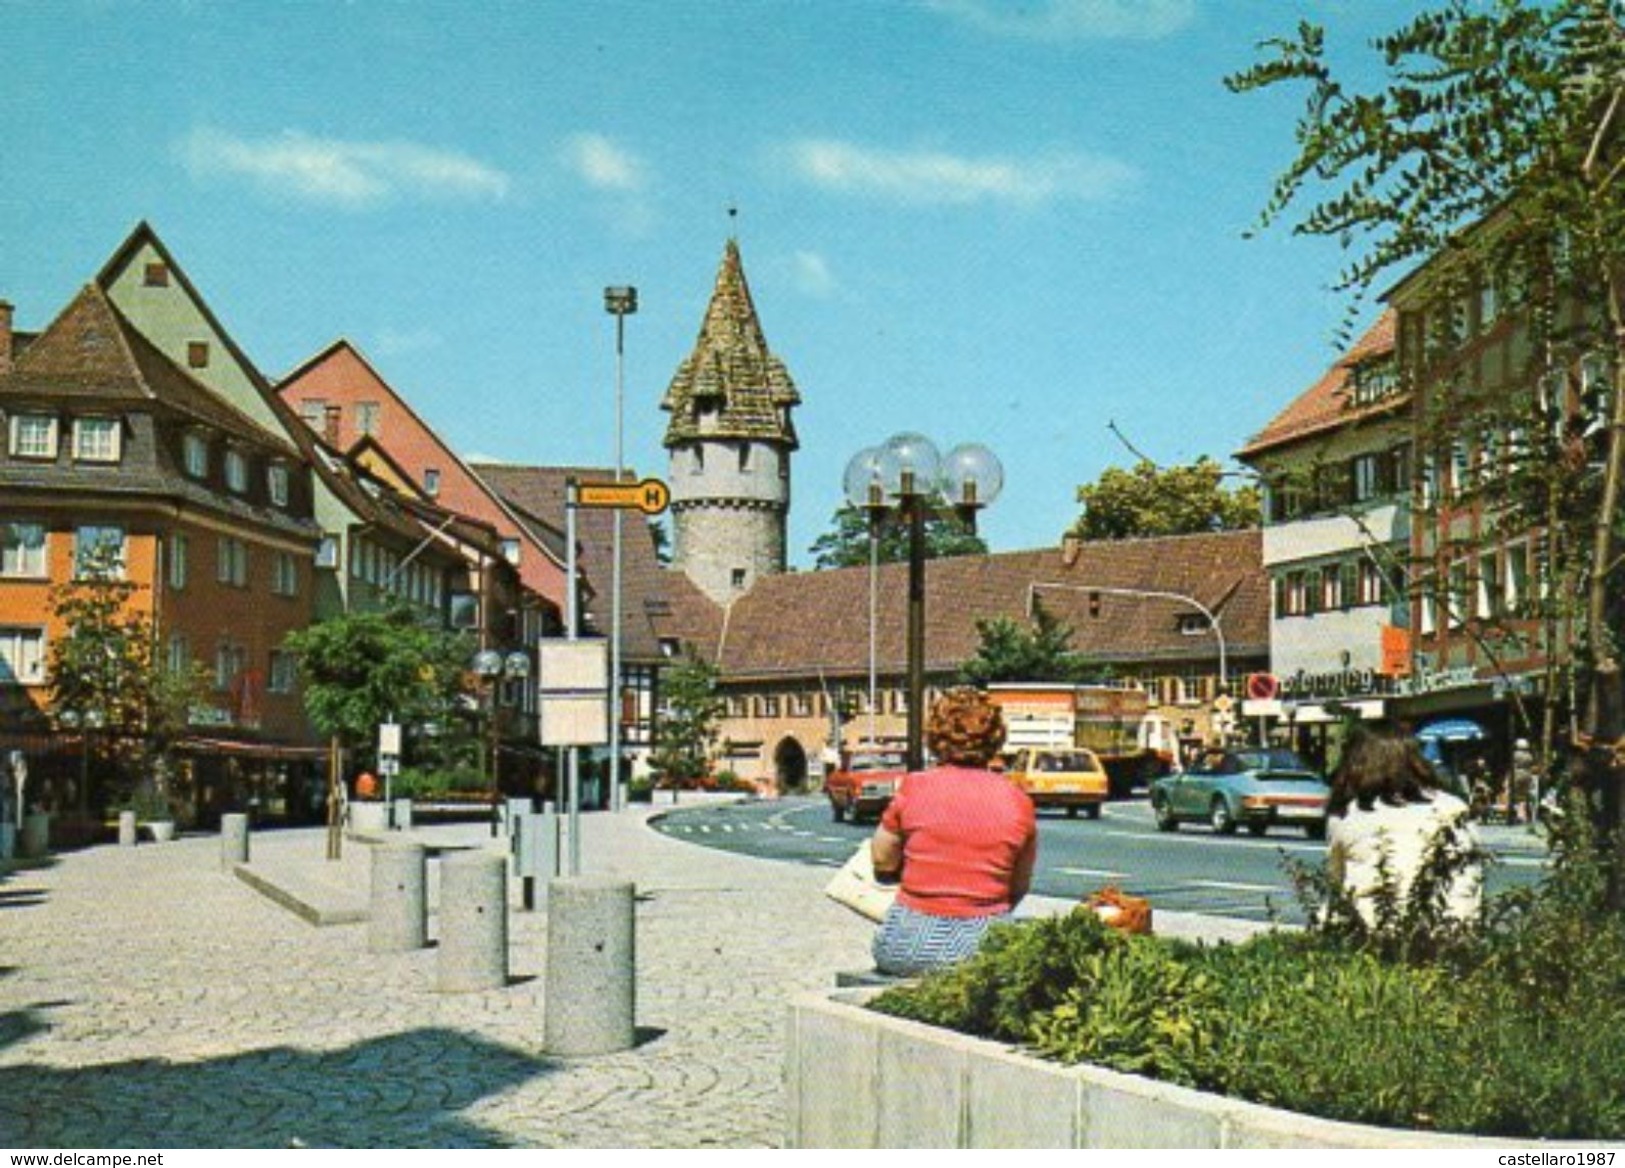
731 374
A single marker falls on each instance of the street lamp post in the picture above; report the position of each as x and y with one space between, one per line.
620 301
494 667
907 477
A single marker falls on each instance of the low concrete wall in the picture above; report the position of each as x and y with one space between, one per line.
857 1079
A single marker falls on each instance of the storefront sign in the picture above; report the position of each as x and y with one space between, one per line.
1336 683
1433 680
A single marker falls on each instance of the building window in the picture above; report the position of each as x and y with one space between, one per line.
327 552
284 672
1296 594
229 659
197 354
510 551
1367 477
734 706
284 574
366 418
767 706
312 412
22 550
22 656
1331 589
1489 597
737 578
1370 583
744 458
179 549
1517 577
332 421
96 439
1427 609
98 549
801 705
179 656
155 275
276 483
236 471
231 565
196 451
33 436
431 482
1456 598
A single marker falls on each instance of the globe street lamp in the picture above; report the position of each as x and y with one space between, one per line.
907 478
493 667
619 301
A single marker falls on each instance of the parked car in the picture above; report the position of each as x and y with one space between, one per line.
865 785
1069 777
1261 787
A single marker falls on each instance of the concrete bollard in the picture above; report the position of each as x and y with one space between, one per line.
233 840
590 994
473 922
36 838
126 829
403 814
398 911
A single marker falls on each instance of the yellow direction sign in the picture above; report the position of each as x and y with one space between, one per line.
651 496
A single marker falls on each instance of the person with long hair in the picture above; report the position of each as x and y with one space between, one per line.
960 839
1387 814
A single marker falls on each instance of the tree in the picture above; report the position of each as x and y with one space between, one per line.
1492 152
104 672
687 728
362 669
1013 651
1151 501
847 545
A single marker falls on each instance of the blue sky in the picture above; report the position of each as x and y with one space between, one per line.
1011 223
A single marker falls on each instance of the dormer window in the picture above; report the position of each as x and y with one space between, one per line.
431 482
156 275
33 435
1193 624
96 439
195 448
236 471
276 483
197 354
510 551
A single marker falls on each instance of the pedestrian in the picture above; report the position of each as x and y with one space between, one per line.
1525 797
960 839
1387 818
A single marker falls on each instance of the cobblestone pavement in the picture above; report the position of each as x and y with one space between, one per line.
149 998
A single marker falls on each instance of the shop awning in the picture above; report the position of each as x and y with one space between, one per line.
241 748
1452 730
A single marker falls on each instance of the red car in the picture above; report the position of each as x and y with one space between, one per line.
865 785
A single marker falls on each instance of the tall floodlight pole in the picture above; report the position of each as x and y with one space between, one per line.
620 301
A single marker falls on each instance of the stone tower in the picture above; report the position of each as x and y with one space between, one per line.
730 438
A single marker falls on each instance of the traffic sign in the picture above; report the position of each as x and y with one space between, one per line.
651 496
1262 687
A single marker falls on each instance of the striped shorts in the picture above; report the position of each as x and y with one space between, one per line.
912 942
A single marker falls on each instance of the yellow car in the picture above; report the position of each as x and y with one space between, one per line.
1060 776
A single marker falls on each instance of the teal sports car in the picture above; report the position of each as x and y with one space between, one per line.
1259 787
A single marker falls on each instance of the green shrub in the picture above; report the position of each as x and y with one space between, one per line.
1513 1026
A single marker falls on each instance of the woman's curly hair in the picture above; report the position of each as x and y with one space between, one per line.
965 727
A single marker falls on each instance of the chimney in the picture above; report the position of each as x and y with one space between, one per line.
5 337
1071 549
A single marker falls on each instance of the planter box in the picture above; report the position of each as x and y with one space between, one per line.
857 1079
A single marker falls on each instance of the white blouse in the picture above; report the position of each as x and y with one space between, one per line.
1404 833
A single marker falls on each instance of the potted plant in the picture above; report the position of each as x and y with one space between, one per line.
156 812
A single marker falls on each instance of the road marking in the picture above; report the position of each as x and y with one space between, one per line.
1235 886
1223 842
1102 873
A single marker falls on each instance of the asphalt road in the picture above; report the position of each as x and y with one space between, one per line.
1192 870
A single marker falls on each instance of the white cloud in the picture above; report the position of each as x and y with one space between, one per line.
603 164
935 176
811 274
333 170
1073 20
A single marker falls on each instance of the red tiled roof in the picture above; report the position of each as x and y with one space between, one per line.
803 623
1326 404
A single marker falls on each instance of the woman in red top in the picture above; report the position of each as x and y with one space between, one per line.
961 839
